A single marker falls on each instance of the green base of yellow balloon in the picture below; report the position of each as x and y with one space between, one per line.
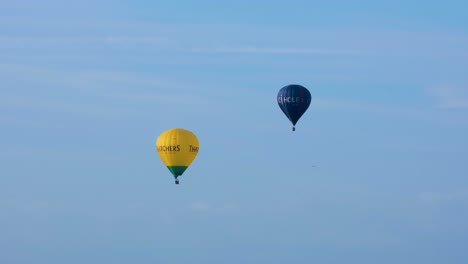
177 170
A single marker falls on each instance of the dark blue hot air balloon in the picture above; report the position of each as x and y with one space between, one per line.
294 100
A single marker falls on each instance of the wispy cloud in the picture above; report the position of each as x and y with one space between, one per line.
437 198
108 94
363 106
450 97
34 41
200 207
159 43
98 82
205 207
228 38
270 50
94 81
31 208
408 112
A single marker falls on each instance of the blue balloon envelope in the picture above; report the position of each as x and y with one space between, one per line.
294 100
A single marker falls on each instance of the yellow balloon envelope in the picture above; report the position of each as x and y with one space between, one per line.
177 148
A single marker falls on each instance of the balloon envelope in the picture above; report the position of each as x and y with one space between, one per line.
294 100
177 148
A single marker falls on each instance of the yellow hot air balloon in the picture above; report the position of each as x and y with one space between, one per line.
177 148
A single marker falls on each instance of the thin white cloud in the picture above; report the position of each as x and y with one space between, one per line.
437 198
57 105
418 113
29 208
200 207
123 105
157 42
95 81
71 41
236 38
166 217
361 106
109 94
267 50
205 207
450 97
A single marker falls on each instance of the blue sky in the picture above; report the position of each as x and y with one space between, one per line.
375 173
